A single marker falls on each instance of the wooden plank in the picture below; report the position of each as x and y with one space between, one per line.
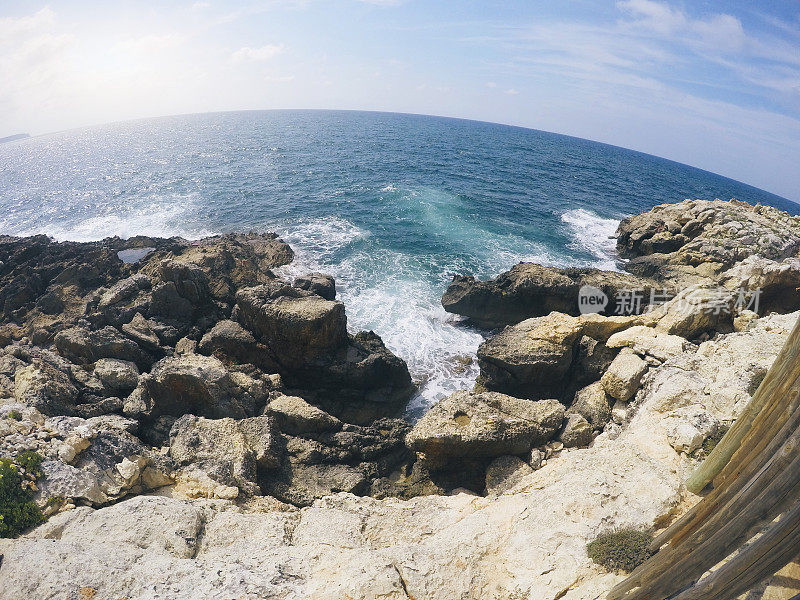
786 366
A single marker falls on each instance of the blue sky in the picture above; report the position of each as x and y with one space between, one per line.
713 84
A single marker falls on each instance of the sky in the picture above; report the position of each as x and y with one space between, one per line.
714 84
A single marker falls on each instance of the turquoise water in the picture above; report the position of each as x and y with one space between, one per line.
392 205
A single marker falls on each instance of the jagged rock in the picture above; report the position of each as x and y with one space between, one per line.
355 378
577 432
66 481
775 282
696 240
191 384
317 283
295 416
348 458
504 472
233 261
695 311
117 375
141 331
530 290
43 387
531 359
688 428
296 328
593 404
230 452
84 347
623 377
232 343
124 289
485 425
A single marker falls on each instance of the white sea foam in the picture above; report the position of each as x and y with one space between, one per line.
593 234
156 218
388 292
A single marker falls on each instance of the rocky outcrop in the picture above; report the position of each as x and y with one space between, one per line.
488 424
530 290
664 251
353 377
528 538
695 240
197 385
229 452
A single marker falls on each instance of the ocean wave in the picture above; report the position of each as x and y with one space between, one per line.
593 234
155 218
390 292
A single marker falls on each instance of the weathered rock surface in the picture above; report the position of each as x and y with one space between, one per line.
317 283
696 240
228 451
194 384
486 424
354 377
623 377
530 290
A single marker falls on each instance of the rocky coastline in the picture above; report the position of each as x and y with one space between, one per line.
210 429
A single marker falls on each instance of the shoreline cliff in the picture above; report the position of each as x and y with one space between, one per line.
209 429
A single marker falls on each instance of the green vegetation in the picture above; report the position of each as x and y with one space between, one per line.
625 549
15 415
18 511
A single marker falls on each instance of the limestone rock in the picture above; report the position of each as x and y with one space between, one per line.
623 377
647 341
40 385
83 346
529 290
317 283
485 425
117 375
296 328
531 359
577 432
193 384
229 451
504 472
593 404
295 416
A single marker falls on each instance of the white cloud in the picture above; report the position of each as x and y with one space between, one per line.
260 54
491 84
511 92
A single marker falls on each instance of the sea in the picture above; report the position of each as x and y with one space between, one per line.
392 205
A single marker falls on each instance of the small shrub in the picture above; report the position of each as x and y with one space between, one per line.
15 415
625 549
18 511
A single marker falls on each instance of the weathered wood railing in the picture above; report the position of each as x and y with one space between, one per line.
749 524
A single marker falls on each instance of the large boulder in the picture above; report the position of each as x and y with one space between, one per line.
295 416
317 283
43 387
296 326
305 337
233 261
228 451
530 290
84 347
623 377
194 384
485 424
530 359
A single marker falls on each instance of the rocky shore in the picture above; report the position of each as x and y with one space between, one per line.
210 429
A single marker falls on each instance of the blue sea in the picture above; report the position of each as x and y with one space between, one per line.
392 205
